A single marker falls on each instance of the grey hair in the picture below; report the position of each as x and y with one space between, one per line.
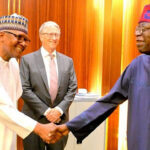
49 24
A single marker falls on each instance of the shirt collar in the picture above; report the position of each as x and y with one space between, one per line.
45 53
2 60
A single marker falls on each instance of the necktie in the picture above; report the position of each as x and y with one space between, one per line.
53 79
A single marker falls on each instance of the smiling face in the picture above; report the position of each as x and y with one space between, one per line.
50 36
142 34
13 43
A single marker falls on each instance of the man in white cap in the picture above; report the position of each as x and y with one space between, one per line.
13 41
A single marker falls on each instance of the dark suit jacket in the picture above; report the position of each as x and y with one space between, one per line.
35 85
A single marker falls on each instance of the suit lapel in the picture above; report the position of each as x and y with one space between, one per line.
41 68
42 71
60 64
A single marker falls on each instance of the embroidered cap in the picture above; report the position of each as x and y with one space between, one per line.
146 14
14 22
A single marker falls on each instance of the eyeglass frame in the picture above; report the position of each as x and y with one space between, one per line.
141 29
51 35
19 36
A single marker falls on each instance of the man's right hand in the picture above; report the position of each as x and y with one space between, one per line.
47 132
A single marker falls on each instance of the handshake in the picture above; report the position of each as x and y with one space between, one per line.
51 133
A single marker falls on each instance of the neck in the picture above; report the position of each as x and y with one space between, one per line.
4 56
49 50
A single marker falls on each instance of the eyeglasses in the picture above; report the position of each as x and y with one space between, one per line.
141 29
51 35
19 37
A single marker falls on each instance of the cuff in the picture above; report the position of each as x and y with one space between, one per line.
59 109
46 112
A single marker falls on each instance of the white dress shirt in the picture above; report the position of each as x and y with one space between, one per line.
46 59
10 118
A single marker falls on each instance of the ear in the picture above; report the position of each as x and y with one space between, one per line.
1 36
41 37
2 33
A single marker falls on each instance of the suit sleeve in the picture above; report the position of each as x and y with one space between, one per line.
71 90
82 125
12 118
29 96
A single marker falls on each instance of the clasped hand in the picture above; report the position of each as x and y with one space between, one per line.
54 116
51 133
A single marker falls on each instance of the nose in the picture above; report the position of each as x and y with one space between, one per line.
138 31
54 37
23 43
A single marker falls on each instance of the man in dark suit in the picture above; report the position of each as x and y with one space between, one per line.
49 85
